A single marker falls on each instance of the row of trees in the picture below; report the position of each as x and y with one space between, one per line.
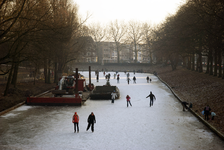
132 32
44 34
196 30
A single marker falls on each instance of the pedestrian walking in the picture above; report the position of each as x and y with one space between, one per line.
75 120
207 110
134 79
152 97
118 78
147 78
113 96
184 104
128 100
128 79
114 75
97 77
91 120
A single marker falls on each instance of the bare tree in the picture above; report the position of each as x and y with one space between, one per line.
134 35
116 33
98 33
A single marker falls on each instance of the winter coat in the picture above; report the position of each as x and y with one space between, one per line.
75 119
151 96
113 95
128 98
207 109
91 119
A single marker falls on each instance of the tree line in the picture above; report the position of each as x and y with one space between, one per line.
40 33
51 35
196 30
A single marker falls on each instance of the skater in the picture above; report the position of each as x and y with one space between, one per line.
134 79
128 79
118 78
147 78
207 109
75 120
152 97
128 75
150 80
114 75
91 120
113 95
184 104
97 77
128 100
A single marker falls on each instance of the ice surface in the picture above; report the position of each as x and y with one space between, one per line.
164 126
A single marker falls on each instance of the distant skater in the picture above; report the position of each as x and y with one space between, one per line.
75 120
113 96
128 79
118 78
97 77
147 78
134 79
91 120
128 100
152 97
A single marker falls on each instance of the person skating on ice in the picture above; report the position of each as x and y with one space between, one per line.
75 120
134 79
91 120
128 100
113 96
152 97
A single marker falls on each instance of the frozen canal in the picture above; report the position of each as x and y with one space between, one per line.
118 127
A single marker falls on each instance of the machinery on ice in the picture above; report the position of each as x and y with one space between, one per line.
71 90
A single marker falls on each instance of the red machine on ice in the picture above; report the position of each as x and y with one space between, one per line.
68 92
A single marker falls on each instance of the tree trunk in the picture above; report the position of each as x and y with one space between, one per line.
45 70
55 73
49 72
193 63
200 62
207 65
189 63
220 63
211 64
216 63
9 80
15 74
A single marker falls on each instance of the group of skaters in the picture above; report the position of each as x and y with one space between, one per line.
117 76
91 120
151 96
206 112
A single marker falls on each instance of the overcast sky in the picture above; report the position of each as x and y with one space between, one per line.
104 11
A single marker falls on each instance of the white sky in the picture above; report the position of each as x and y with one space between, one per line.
104 11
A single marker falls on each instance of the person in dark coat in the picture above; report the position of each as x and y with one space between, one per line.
184 104
152 97
134 79
147 78
91 120
207 110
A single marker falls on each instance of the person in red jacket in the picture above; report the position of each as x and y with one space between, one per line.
128 100
75 120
